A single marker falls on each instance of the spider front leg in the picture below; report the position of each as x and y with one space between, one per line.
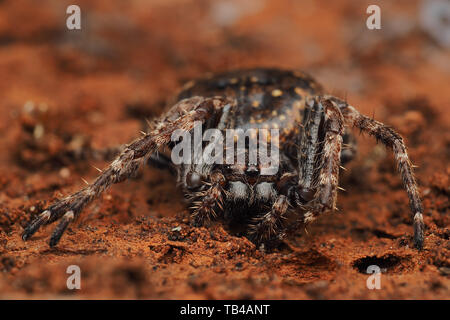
182 115
319 166
206 202
390 138
269 227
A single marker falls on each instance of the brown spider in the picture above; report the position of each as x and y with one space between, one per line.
314 127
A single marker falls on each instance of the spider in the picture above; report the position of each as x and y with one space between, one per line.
313 128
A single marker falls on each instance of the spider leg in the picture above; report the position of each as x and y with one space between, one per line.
322 190
105 154
268 226
390 138
206 202
182 115
156 160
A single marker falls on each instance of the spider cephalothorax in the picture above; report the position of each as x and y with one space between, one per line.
312 128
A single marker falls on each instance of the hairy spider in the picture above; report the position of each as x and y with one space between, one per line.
313 129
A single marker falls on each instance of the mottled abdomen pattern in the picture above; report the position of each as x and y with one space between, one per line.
266 98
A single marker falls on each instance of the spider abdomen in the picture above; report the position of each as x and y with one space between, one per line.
266 98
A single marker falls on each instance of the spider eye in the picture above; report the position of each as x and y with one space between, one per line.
307 194
193 180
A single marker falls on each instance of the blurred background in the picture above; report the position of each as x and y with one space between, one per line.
65 92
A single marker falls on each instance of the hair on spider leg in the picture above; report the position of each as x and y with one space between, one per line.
99 170
346 146
306 231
